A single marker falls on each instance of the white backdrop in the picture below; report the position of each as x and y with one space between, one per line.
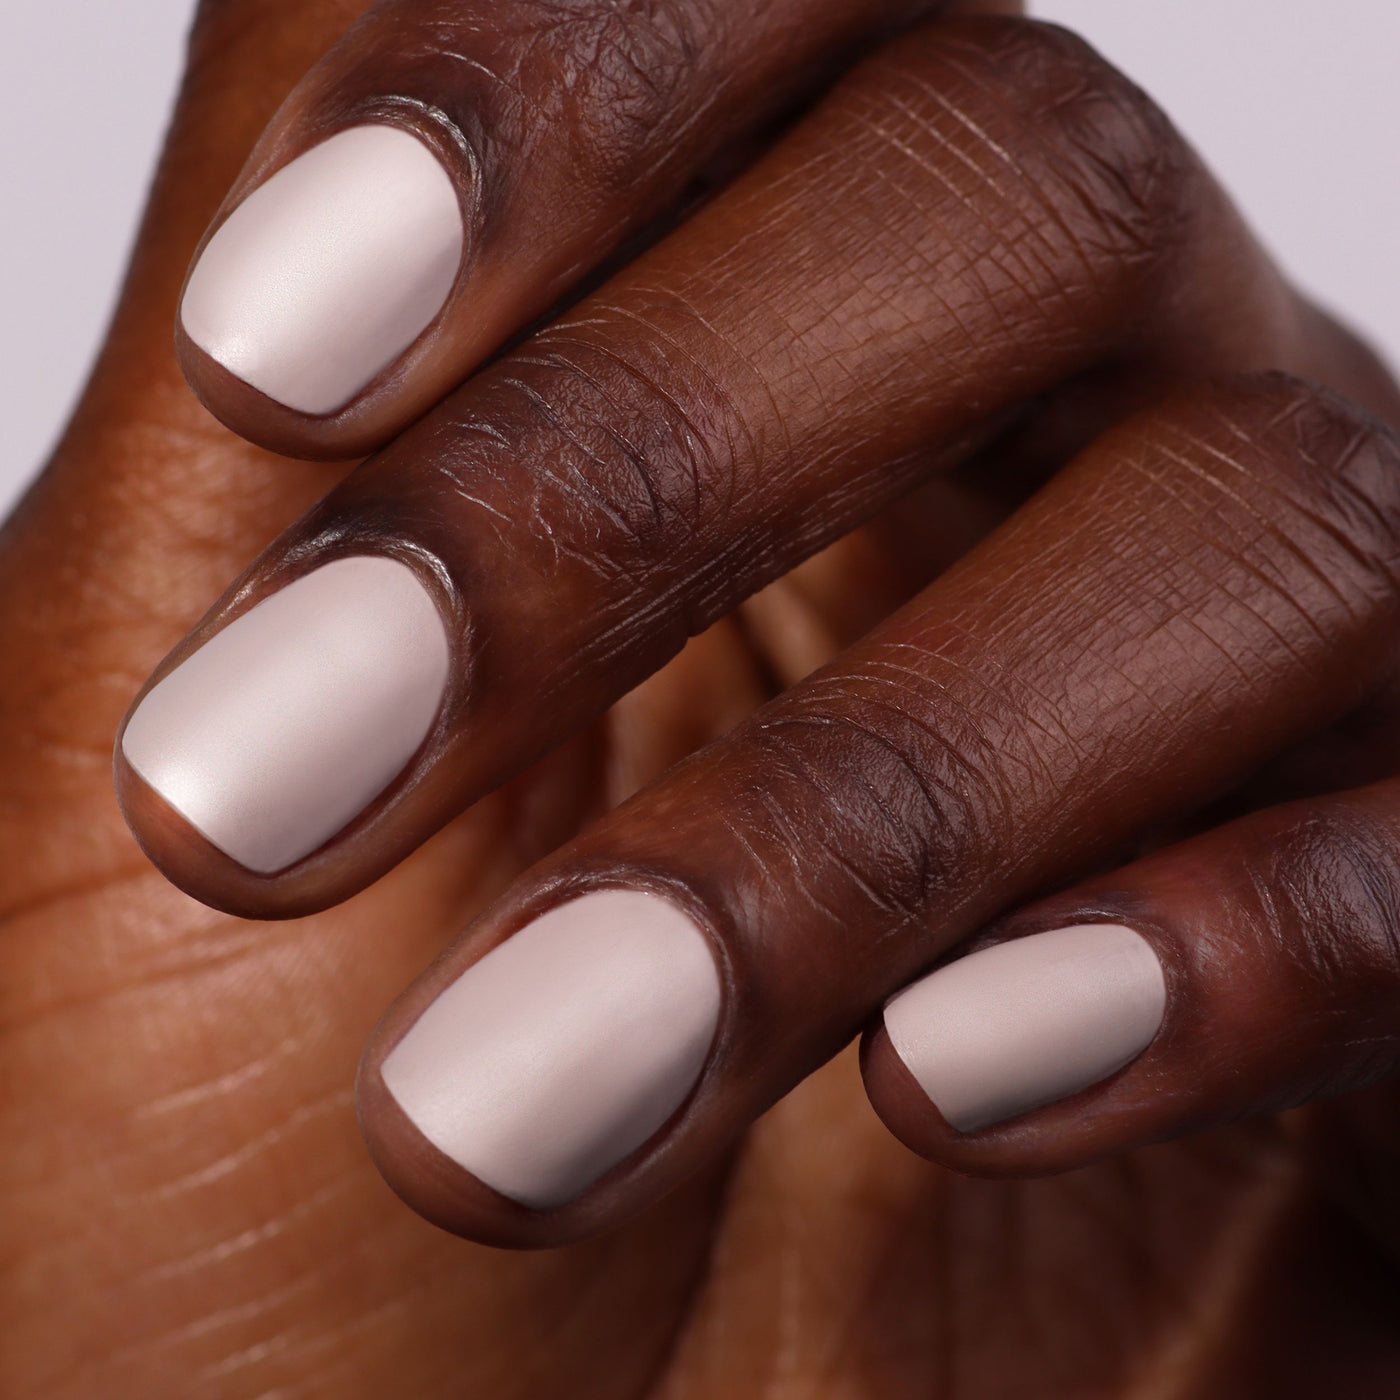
1296 105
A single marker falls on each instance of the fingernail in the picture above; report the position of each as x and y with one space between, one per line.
330 269
565 1048
282 727
1021 1024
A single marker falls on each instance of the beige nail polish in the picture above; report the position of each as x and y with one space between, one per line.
1021 1024
329 269
280 729
565 1048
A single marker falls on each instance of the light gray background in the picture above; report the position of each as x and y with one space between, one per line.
1295 104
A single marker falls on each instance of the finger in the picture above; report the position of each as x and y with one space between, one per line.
447 172
636 470
1244 972
1202 586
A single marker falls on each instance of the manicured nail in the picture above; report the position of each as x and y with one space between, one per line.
282 727
565 1048
330 269
1021 1024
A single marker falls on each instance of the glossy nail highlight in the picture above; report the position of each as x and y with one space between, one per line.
565 1048
281 728
1024 1023
330 269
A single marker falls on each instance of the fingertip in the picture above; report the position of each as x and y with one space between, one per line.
364 425
898 1099
434 1186
186 857
1006 1060
1060 1137
309 317
518 1096
257 765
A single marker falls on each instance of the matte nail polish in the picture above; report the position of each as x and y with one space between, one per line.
1021 1024
328 270
280 729
565 1048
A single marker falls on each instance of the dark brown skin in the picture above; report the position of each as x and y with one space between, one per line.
982 255
652 102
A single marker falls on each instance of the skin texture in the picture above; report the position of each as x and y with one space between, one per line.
514 103
685 457
188 1204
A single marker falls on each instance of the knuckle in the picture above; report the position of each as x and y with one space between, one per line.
1328 886
640 453
550 87
1090 160
1285 487
655 438
1116 155
1332 441
614 68
1331 471
903 799
606 76
1317 890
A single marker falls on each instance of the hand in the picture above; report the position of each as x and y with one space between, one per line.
1021 256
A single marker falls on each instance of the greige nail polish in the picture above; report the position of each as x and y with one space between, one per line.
1021 1024
280 729
330 269
565 1048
